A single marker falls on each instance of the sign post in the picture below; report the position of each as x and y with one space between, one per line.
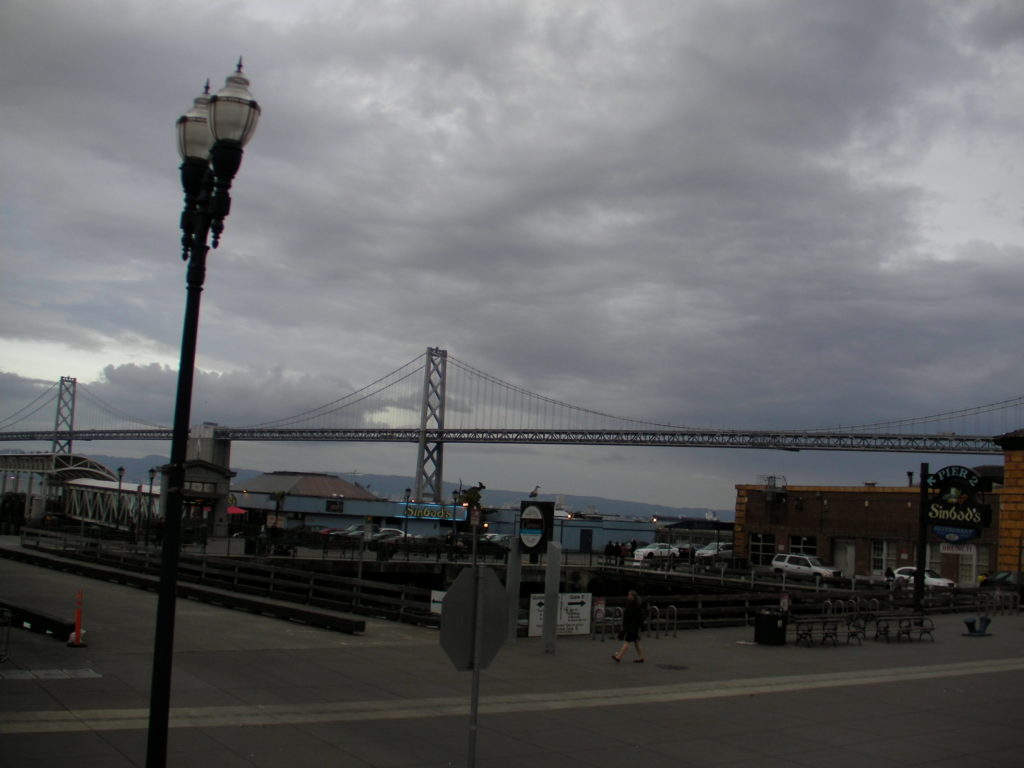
552 574
950 506
536 520
922 540
473 621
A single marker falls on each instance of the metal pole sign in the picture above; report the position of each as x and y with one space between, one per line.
954 512
473 621
536 520
950 509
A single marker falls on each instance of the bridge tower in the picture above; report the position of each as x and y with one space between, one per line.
65 419
430 455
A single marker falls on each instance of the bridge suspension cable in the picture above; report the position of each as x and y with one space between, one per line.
26 412
111 413
398 377
1005 406
509 406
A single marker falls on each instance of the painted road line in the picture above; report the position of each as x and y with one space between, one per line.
55 721
48 674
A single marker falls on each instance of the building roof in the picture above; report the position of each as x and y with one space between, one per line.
60 467
314 484
1011 441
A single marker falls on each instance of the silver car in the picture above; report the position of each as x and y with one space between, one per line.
714 550
804 566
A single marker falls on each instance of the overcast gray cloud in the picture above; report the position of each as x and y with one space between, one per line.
770 213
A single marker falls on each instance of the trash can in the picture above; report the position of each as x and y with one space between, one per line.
770 628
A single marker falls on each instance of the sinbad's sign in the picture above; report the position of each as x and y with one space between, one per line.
433 512
954 513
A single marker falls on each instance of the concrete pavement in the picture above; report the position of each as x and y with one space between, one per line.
255 691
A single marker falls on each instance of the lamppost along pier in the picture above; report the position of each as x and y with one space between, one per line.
211 137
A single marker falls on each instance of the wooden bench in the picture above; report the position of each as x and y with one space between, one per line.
902 626
821 629
39 621
922 625
855 629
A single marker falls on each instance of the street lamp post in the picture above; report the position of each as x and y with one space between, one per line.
455 524
149 505
405 523
135 514
211 136
120 478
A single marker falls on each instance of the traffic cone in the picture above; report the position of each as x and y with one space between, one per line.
75 639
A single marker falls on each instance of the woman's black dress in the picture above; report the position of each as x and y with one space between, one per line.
632 621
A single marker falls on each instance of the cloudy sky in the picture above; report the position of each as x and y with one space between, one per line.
748 214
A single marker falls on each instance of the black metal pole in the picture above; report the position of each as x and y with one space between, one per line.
405 523
149 507
120 479
922 540
174 477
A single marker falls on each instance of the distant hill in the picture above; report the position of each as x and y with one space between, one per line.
393 487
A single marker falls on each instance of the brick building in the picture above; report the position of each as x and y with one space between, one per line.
1011 512
863 530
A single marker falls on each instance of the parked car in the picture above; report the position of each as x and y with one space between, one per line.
388 534
932 580
657 549
714 551
359 530
803 566
304 529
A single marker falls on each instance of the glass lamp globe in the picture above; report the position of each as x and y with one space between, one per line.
233 111
194 137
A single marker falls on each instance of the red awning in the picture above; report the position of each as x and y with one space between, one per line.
236 511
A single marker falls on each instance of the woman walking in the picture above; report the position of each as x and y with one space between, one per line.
632 625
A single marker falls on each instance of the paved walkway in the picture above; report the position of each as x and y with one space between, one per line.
254 691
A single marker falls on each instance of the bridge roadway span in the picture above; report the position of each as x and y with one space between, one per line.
673 438
253 691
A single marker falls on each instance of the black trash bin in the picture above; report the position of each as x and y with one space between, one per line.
770 628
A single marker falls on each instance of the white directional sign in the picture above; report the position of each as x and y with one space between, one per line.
573 614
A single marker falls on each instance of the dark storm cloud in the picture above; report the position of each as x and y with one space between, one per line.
731 214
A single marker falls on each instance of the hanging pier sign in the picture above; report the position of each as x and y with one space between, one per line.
954 512
536 519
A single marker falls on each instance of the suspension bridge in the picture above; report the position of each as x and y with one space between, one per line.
436 399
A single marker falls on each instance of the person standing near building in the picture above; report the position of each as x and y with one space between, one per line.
632 626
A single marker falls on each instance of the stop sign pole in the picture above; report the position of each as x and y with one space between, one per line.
474 690
473 626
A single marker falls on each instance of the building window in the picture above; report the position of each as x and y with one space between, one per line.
762 548
971 567
933 556
803 545
883 556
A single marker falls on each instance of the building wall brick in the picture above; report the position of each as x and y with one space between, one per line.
861 514
1011 503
